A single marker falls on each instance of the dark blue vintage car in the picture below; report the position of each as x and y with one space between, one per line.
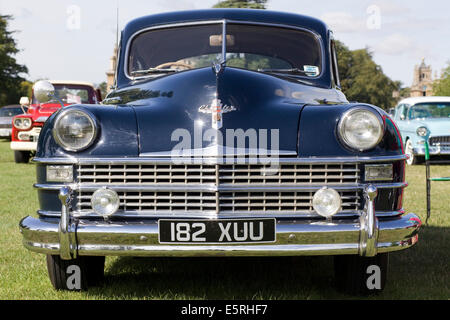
211 147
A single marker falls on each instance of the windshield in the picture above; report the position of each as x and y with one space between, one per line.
70 93
430 110
254 47
10 112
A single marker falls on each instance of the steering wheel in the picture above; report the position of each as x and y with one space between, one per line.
185 66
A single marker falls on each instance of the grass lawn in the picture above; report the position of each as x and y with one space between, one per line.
421 272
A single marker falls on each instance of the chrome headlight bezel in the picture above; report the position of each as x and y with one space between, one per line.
420 130
20 125
92 120
345 117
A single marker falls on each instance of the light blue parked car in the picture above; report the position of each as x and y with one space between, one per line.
422 118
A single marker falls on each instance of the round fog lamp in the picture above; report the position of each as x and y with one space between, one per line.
326 202
105 202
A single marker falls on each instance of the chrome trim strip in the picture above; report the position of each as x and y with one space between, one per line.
41 119
214 188
220 151
136 160
162 214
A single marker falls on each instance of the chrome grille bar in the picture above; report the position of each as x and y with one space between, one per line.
322 174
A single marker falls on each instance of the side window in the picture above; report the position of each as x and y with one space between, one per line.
404 113
398 111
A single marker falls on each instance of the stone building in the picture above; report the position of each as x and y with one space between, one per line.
422 82
110 74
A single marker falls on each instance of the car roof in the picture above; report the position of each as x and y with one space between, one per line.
253 15
414 100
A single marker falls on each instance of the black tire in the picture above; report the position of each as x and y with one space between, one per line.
353 275
91 272
21 156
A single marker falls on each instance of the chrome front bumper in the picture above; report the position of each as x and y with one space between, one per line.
432 150
365 236
23 145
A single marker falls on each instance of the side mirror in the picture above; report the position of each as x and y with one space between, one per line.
24 101
44 91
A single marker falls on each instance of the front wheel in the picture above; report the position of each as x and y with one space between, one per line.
22 156
76 274
413 159
361 275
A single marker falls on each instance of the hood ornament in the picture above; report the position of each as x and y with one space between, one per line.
216 109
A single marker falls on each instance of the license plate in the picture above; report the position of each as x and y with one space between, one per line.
217 231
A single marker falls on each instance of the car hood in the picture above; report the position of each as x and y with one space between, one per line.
437 127
177 111
40 113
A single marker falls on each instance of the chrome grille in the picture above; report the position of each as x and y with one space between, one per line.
443 141
146 174
228 174
277 202
165 189
158 201
230 203
303 174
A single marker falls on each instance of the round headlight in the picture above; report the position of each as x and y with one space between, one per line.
326 202
18 123
360 129
105 201
422 131
26 123
74 129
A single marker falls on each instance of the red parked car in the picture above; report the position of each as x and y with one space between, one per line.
26 127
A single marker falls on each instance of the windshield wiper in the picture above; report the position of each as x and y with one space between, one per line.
152 71
292 70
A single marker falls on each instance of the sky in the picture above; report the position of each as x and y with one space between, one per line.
74 39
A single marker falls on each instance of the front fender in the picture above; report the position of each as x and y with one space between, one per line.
117 134
318 136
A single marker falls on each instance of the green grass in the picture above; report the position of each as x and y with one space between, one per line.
421 272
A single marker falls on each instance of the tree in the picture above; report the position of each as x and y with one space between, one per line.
441 87
362 79
11 88
103 89
251 4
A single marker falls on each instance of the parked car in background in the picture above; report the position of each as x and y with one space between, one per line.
420 119
6 116
227 134
27 127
